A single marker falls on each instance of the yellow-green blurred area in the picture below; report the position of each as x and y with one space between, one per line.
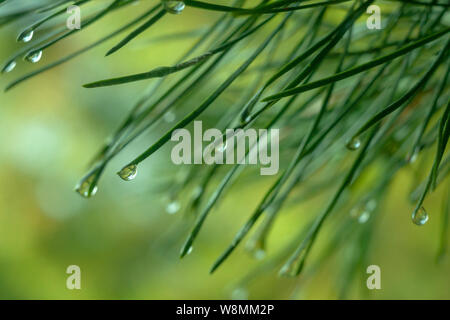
123 239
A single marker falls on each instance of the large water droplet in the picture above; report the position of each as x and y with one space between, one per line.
34 56
353 144
9 66
173 207
420 217
128 173
26 36
174 7
83 188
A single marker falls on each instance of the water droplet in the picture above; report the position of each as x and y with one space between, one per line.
413 156
26 36
239 294
189 250
362 211
420 217
259 254
83 188
169 117
197 192
221 147
364 217
371 205
9 66
173 207
34 56
256 248
353 144
287 270
128 173
174 7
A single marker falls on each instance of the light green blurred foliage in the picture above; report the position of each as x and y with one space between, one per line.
123 239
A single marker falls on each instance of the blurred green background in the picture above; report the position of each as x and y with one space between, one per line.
124 241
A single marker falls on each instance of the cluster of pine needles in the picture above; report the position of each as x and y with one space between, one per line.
349 97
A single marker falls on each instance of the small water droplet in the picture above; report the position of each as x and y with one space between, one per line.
9 66
173 207
353 144
364 217
362 211
26 36
239 294
169 117
174 7
189 250
256 248
34 56
287 270
420 217
197 192
128 173
83 188
413 157
259 254
371 205
221 147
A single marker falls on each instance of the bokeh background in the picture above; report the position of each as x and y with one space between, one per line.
123 239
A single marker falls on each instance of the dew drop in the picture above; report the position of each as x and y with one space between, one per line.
174 7
9 67
239 294
259 254
26 36
221 147
169 117
362 211
420 217
287 270
128 173
413 156
364 217
256 248
195 198
353 144
371 205
189 250
173 207
197 192
84 186
34 56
